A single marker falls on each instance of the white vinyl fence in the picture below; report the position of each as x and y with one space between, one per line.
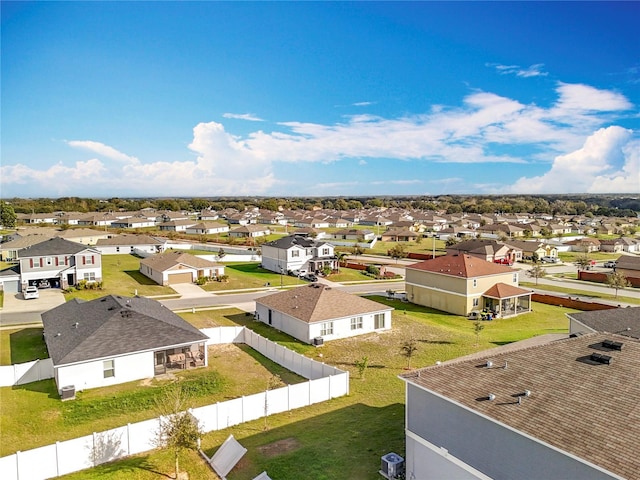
325 382
28 372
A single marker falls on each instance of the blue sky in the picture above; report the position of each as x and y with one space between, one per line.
104 99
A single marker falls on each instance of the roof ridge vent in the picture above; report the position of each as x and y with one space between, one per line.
610 344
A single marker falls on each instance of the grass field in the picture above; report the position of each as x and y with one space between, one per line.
345 437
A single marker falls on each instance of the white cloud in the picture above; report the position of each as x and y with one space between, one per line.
609 161
362 104
243 116
486 128
102 150
531 71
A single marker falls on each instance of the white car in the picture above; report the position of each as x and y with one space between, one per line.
31 292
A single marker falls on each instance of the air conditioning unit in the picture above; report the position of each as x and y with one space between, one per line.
318 341
68 392
392 466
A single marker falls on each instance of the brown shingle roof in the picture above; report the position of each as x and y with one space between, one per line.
503 290
164 261
318 303
464 266
589 410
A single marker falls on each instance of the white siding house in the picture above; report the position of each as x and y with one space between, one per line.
317 311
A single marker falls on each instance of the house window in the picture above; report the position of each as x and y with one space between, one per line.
48 261
476 302
378 320
325 251
117 249
326 329
515 278
295 253
108 368
356 323
90 277
475 283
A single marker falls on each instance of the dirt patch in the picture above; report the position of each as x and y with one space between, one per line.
279 447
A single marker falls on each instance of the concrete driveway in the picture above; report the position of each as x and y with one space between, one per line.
17 310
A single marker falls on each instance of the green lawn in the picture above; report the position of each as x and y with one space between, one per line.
250 275
345 437
121 276
21 345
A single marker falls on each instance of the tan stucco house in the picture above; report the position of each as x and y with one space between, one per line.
461 284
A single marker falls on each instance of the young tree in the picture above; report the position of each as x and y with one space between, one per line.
407 349
583 262
178 430
362 365
477 328
617 280
357 250
536 272
397 252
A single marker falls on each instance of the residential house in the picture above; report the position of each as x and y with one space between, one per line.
61 262
615 245
130 243
295 252
207 228
116 339
178 267
400 235
317 311
133 222
250 231
86 236
585 244
9 251
621 321
97 219
353 234
177 225
489 250
561 409
532 247
629 266
460 284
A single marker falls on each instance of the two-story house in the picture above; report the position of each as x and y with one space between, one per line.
60 262
296 252
461 284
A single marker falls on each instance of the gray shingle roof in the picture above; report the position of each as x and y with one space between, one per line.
625 321
111 326
319 303
165 261
53 246
587 409
289 241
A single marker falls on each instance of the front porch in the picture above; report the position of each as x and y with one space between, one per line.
180 358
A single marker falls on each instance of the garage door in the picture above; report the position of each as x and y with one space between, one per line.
180 278
10 286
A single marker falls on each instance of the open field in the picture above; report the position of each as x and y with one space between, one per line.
345 437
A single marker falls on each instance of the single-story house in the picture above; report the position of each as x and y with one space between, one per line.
130 243
250 231
207 228
178 267
564 409
461 284
317 311
622 321
116 339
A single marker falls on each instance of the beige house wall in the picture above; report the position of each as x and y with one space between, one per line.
452 294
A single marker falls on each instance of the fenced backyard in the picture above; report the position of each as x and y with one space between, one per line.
325 382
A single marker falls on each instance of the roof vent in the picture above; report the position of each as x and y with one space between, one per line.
491 397
489 364
610 344
600 358
75 325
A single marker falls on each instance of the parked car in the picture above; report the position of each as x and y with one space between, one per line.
550 260
311 277
31 292
43 284
610 264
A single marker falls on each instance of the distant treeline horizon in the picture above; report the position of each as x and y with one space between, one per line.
616 205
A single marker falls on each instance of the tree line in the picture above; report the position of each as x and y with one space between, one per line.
601 205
